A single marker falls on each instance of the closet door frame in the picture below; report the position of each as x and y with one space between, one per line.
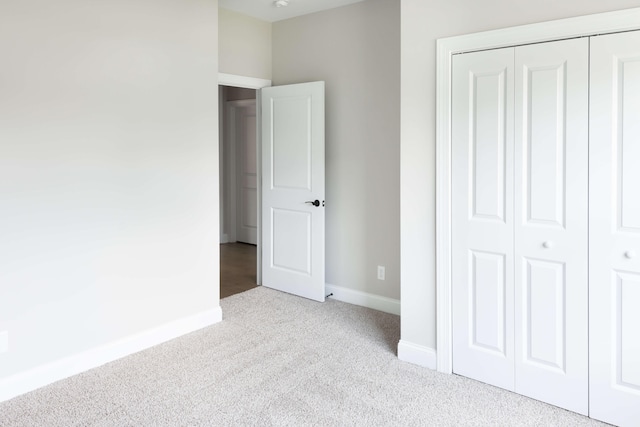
584 26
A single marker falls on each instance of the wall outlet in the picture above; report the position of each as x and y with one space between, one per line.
4 341
381 272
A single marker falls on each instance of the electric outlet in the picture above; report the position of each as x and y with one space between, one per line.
381 272
4 341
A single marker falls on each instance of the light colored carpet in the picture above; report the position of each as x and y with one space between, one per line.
278 360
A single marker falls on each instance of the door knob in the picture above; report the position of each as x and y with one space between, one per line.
315 203
630 254
548 244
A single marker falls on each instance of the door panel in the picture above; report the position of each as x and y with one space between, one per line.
293 171
291 153
551 252
487 145
291 250
545 314
614 230
627 346
482 206
488 287
544 92
628 92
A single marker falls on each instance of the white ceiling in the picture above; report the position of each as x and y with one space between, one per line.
267 11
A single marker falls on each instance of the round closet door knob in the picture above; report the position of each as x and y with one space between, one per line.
630 254
548 244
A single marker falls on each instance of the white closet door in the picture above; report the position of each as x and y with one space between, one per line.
614 231
551 222
482 223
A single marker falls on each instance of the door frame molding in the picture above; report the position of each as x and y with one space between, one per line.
582 26
242 81
252 83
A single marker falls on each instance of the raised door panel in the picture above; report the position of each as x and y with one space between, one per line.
487 303
627 338
614 230
544 315
291 251
551 222
290 154
482 223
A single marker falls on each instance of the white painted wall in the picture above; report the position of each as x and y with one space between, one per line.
422 24
244 45
356 50
108 172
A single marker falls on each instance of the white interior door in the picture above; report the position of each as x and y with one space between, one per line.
247 198
482 222
551 228
614 229
293 189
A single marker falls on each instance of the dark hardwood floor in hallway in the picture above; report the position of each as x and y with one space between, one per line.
237 268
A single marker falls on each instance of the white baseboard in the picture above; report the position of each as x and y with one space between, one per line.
60 369
364 299
417 354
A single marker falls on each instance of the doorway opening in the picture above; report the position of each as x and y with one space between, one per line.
294 226
238 190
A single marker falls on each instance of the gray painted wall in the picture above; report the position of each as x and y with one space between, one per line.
356 50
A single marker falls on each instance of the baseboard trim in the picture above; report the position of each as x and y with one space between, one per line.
48 373
364 299
417 354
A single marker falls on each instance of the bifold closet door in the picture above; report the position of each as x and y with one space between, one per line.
551 222
519 219
614 229
482 222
